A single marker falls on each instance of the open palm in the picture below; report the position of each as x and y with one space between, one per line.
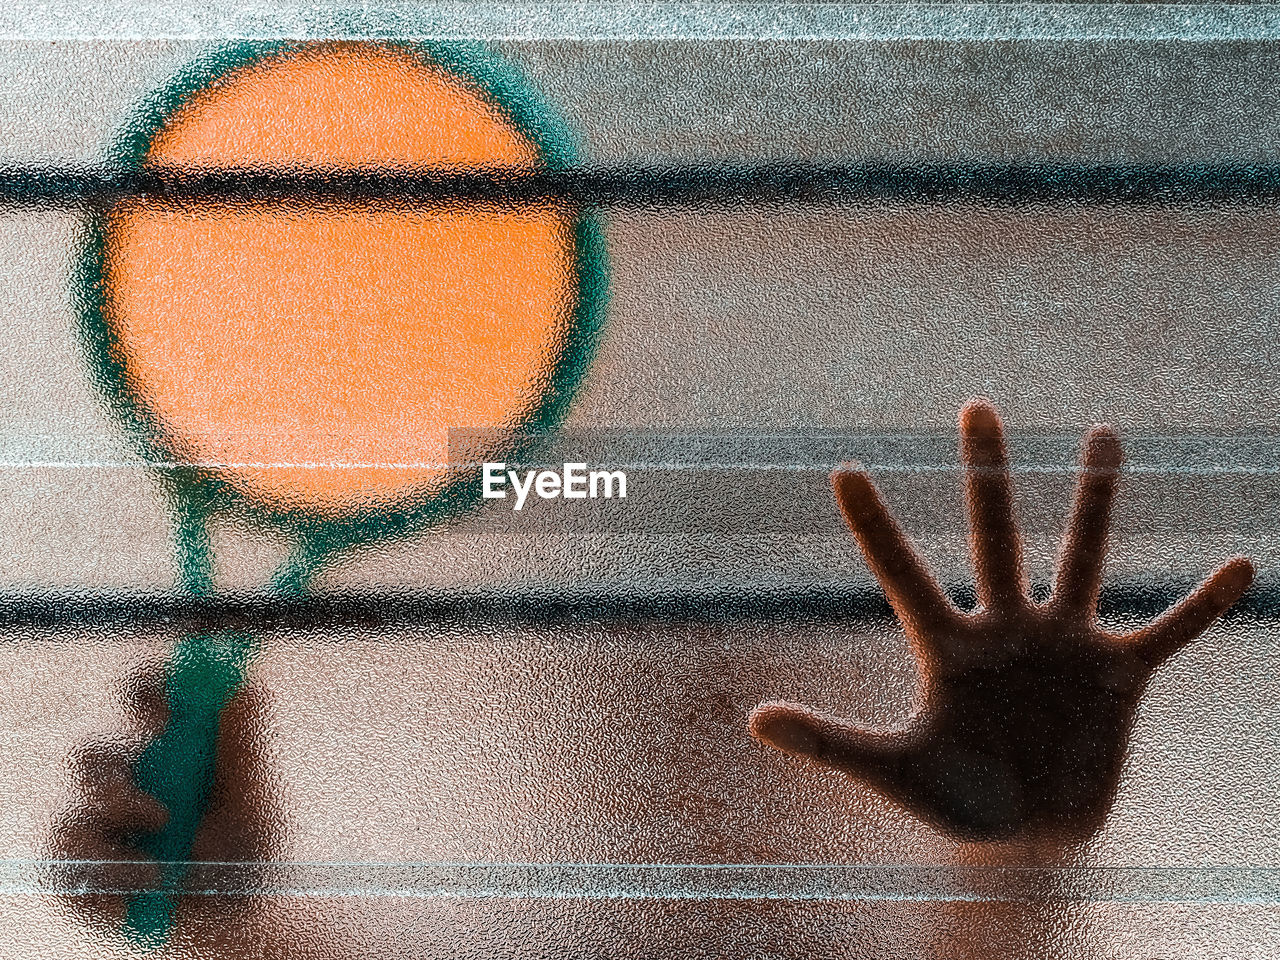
1026 707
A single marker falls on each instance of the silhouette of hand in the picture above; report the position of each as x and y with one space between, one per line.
96 836
1026 707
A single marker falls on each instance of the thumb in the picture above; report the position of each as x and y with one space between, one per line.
243 819
803 732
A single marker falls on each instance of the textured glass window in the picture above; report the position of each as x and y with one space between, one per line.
279 281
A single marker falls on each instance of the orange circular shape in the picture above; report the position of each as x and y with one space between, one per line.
314 356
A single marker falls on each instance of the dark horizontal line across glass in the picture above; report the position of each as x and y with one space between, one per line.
1130 599
705 185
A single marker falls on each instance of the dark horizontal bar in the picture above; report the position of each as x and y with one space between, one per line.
256 613
724 185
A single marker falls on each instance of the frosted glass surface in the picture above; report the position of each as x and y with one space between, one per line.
484 732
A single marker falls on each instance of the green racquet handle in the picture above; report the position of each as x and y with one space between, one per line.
178 768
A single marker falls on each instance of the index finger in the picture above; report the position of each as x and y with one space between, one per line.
912 589
145 698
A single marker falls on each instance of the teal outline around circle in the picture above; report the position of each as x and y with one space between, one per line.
197 496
